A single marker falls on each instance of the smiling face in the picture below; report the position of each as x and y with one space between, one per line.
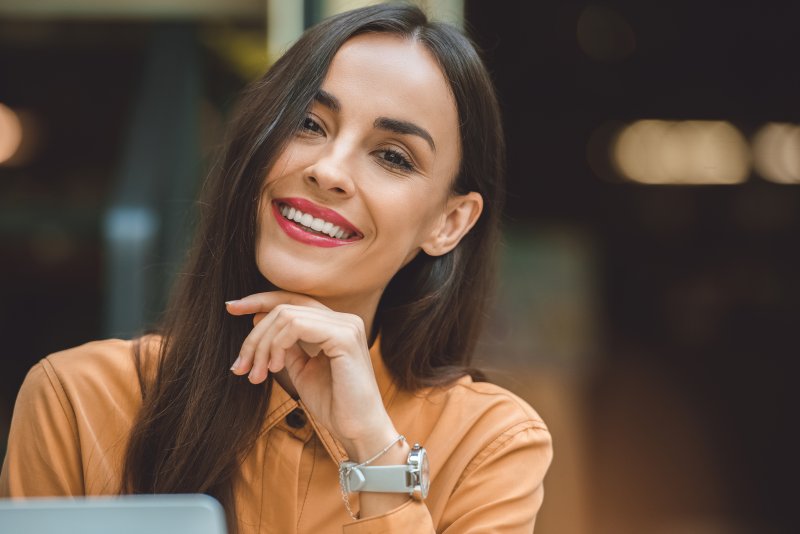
365 183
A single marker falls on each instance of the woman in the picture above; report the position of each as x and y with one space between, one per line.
348 230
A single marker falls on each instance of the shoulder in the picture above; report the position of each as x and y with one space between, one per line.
93 358
497 420
493 401
74 410
106 363
475 420
484 442
504 424
91 376
489 408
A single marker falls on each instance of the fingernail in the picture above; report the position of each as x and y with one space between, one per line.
229 302
236 363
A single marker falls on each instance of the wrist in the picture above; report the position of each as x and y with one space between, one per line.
396 455
395 452
362 449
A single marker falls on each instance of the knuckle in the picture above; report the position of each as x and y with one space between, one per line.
274 345
283 313
248 346
264 345
352 319
354 330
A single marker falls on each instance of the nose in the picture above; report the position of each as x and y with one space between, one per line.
332 173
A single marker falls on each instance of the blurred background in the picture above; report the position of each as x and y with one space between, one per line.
648 302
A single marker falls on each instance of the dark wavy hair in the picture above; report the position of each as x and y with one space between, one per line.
198 420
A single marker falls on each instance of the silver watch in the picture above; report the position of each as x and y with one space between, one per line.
412 478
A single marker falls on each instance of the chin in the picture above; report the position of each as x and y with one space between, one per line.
294 282
296 277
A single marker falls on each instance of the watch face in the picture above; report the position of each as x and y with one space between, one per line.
421 469
424 475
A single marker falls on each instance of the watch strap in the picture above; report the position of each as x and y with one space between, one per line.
380 478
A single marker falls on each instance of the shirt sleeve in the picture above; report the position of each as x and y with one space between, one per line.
43 455
500 491
412 517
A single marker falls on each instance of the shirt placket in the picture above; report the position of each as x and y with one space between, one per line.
285 464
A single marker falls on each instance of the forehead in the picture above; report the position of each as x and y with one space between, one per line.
388 75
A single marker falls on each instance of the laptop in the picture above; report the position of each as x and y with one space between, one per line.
127 514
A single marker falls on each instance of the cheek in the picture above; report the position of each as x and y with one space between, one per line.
278 169
413 216
264 201
276 175
287 163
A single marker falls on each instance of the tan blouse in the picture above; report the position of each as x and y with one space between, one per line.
488 450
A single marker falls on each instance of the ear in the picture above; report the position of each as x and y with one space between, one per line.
460 215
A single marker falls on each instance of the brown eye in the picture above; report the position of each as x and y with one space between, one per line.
396 159
311 126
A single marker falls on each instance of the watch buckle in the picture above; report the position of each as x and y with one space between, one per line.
353 476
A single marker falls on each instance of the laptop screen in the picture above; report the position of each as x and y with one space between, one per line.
127 514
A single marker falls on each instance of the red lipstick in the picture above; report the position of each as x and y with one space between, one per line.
308 223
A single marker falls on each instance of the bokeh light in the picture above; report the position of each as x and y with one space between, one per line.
776 152
681 152
10 133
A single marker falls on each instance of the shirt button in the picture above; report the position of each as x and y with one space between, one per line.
296 418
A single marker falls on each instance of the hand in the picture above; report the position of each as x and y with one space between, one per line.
326 357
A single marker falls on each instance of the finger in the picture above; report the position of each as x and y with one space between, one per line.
296 361
250 345
289 324
264 356
312 349
267 357
261 359
311 331
288 339
265 302
253 350
303 339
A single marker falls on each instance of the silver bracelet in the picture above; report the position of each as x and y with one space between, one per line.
345 468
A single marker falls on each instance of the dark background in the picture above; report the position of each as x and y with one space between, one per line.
697 286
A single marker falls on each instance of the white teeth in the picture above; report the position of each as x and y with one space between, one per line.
314 223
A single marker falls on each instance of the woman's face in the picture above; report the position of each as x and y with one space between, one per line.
375 156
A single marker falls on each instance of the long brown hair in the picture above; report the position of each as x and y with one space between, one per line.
198 420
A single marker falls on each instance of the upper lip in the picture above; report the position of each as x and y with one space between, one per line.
319 212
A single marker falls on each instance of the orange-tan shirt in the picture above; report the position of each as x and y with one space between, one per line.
488 450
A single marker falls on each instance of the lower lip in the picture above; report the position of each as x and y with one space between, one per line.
298 234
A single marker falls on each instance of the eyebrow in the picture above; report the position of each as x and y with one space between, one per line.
328 100
382 123
404 128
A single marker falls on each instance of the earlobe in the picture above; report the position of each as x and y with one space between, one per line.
461 214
